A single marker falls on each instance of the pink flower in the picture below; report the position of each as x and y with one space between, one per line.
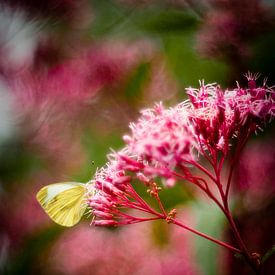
20 216
229 26
130 250
207 121
254 177
115 192
166 143
53 104
162 136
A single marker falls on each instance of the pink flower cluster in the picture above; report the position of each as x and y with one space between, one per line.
229 26
217 116
167 143
115 191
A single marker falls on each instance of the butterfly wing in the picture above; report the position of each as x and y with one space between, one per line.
63 202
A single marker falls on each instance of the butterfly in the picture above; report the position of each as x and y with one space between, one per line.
64 202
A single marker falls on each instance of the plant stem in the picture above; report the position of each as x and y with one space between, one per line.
204 170
240 241
230 219
160 205
234 249
239 149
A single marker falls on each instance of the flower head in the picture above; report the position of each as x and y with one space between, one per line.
218 116
166 143
162 136
115 191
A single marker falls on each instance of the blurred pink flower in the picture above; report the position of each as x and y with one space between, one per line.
131 250
20 216
76 81
254 193
254 175
161 85
229 26
63 10
54 103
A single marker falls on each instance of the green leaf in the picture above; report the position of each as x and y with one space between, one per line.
108 17
210 221
167 21
186 65
17 162
137 81
96 147
160 233
239 256
268 254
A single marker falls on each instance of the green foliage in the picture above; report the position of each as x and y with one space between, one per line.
210 220
264 59
16 162
239 256
268 254
96 147
186 65
160 233
137 81
166 21
112 19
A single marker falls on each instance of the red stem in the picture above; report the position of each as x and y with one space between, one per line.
204 170
228 214
204 152
239 150
174 221
206 190
137 220
143 203
240 241
160 205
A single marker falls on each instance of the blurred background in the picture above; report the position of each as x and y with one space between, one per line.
73 74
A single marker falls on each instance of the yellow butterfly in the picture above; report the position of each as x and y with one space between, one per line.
64 202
